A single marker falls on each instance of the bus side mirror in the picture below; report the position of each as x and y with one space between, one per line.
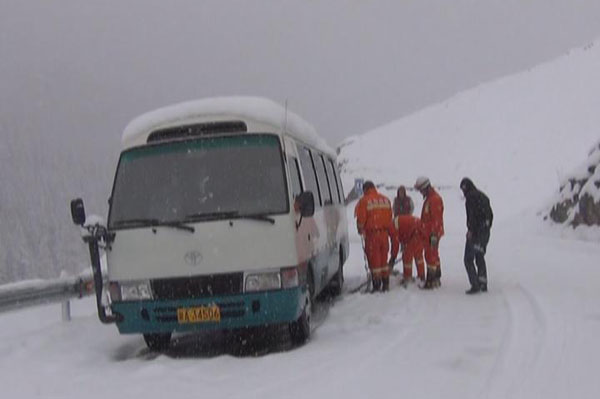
78 212
305 203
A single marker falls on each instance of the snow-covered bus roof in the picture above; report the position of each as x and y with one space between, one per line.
259 110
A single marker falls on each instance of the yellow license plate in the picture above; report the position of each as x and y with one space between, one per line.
199 314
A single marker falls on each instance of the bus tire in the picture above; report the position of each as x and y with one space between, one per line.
158 342
300 329
337 282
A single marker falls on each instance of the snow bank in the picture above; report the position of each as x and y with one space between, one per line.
254 108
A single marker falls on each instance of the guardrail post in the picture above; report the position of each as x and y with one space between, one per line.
66 305
66 311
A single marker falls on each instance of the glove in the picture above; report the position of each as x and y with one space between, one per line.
433 240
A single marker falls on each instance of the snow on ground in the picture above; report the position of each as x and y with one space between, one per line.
533 335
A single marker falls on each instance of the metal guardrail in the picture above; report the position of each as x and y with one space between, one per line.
35 292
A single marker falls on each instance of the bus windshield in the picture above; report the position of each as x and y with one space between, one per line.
207 178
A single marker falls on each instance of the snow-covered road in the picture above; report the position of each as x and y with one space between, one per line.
532 335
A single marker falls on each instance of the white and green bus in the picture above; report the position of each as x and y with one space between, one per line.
225 213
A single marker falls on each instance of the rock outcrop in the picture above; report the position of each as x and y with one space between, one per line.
578 201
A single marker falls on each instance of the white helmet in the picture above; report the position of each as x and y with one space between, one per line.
422 183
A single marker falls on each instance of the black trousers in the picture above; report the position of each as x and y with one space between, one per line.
475 248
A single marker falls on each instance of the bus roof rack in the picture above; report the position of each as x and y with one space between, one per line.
197 130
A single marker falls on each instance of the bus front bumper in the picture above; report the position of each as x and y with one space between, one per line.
235 311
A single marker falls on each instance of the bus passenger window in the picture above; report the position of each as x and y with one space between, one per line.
295 182
332 182
339 184
322 179
308 173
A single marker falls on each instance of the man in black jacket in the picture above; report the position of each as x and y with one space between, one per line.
479 223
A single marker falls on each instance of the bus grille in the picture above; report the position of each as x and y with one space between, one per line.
198 286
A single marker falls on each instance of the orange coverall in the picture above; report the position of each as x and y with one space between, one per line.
432 220
374 221
409 233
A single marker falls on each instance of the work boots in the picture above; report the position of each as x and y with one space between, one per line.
433 278
472 290
376 285
385 284
483 284
438 276
428 283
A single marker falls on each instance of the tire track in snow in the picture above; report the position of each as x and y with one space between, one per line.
520 347
408 335
370 351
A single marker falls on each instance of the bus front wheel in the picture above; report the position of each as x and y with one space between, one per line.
336 284
300 329
157 342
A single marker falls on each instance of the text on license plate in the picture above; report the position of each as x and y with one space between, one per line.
199 314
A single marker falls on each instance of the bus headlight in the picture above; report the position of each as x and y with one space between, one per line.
289 277
264 281
130 290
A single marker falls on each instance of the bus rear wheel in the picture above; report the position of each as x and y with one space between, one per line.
337 282
158 342
300 329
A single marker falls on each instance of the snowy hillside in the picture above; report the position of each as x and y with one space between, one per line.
516 137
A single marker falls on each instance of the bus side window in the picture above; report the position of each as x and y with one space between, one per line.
309 174
295 177
339 183
335 193
322 179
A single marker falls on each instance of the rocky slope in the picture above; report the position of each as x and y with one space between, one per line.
578 202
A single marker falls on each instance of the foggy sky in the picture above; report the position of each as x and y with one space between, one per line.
83 68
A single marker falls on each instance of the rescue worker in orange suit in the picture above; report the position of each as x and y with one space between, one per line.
432 220
408 233
374 222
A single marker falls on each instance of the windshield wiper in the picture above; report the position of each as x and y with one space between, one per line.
211 215
230 215
154 223
261 217
178 225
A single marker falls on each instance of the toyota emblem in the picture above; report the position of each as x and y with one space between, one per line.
193 258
